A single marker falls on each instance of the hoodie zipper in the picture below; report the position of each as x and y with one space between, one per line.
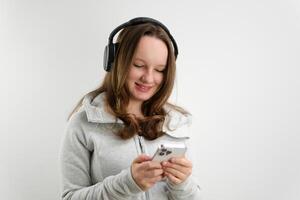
140 138
141 145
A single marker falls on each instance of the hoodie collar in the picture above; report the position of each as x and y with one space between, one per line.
96 113
95 110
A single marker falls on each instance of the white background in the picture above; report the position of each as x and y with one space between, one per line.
238 73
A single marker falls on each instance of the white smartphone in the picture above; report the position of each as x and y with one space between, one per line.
166 151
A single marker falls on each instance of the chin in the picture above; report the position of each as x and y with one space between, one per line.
142 97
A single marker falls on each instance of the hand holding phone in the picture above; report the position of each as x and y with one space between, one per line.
166 151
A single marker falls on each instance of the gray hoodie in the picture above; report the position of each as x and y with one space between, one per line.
95 162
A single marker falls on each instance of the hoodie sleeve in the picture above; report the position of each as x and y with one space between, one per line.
189 189
75 170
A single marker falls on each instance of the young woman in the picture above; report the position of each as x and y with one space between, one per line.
114 130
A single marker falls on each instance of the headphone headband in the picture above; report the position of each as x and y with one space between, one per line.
111 48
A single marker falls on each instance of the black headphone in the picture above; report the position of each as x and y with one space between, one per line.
111 48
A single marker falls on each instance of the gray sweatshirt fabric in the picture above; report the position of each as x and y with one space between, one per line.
95 162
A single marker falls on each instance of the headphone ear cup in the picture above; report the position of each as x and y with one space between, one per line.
105 58
109 55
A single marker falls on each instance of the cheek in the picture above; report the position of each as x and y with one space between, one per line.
159 79
133 75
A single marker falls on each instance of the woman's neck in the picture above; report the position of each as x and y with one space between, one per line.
135 107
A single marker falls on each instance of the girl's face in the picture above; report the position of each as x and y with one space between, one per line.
146 69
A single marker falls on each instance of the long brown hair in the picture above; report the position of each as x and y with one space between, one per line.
116 89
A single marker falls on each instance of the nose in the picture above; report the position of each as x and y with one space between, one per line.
147 76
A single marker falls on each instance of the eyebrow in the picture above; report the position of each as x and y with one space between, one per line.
146 62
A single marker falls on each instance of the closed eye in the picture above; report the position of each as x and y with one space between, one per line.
138 66
161 71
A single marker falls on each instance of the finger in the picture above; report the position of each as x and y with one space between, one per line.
172 178
176 173
154 173
141 158
181 161
182 169
150 165
156 179
154 165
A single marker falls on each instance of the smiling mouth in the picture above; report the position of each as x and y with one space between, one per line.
142 87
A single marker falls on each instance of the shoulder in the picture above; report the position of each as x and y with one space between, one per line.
78 119
177 121
78 124
177 116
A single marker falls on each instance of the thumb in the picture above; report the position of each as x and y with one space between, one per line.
142 158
